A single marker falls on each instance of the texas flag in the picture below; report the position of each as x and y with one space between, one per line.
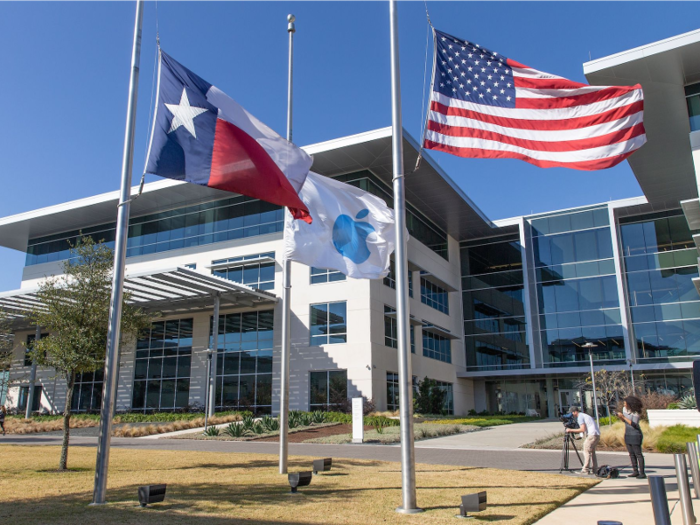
200 135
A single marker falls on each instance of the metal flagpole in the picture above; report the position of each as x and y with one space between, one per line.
408 462
32 379
287 284
115 310
211 377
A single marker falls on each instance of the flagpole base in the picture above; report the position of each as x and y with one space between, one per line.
401 510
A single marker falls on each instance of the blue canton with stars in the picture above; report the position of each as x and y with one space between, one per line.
465 71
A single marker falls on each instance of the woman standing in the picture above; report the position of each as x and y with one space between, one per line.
631 414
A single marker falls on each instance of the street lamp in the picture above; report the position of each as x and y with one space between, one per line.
590 346
210 354
634 390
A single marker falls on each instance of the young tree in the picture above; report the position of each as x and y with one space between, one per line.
6 347
430 398
610 387
75 312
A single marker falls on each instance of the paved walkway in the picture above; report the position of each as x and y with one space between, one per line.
504 437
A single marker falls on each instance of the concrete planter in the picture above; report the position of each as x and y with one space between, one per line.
668 418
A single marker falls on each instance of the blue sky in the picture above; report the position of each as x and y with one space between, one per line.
66 70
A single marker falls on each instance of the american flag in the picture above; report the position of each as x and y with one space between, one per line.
488 106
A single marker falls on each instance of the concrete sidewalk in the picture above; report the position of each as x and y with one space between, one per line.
626 500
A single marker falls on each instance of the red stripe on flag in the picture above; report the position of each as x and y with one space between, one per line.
240 165
537 145
522 102
543 125
548 83
589 165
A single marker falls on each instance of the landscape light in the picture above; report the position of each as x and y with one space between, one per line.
475 502
299 479
151 494
322 465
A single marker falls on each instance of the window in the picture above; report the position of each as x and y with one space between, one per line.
328 323
391 330
692 97
437 347
191 266
327 389
448 405
87 392
434 296
211 222
24 397
259 274
390 279
392 390
162 366
244 361
28 348
322 275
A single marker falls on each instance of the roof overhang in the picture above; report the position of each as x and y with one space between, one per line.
169 291
664 165
429 189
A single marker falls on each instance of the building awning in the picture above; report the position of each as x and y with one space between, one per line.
438 330
169 291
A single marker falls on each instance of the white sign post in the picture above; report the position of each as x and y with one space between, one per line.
358 424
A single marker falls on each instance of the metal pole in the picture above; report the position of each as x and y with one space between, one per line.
207 398
32 379
659 500
213 362
408 462
287 287
684 489
115 309
595 396
634 390
694 468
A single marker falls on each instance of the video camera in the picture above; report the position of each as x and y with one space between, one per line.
569 421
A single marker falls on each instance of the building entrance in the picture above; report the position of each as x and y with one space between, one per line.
567 398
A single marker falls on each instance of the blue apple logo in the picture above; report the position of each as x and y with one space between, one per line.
350 237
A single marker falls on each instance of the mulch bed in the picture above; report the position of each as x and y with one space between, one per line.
299 437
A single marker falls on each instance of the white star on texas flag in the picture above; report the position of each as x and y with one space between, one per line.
184 114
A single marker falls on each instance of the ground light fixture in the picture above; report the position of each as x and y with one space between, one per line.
475 502
151 494
322 465
299 479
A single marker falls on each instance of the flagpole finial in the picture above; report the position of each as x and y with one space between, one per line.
290 28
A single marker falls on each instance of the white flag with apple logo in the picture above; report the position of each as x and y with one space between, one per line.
352 230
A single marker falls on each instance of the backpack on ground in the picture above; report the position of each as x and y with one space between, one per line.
607 472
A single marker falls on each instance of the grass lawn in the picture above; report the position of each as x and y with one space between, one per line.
480 421
219 488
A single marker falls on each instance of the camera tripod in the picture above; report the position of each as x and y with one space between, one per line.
569 442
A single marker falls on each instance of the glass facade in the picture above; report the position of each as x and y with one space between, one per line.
87 392
492 298
390 279
327 388
692 97
419 227
576 288
260 275
162 367
437 347
660 261
328 323
244 361
391 330
434 296
222 220
322 275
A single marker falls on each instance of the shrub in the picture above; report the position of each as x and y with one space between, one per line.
656 401
430 398
471 412
608 420
688 402
258 428
270 424
673 439
211 431
381 420
248 422
318 417
235 430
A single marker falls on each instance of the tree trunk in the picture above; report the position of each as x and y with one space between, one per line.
63 464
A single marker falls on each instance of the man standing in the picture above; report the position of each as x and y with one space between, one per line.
588 426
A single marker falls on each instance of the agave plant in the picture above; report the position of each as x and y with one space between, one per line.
247 422
211 432
379 426
235 430
258 428
271 424
305 419
688 402
318 417
294 418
